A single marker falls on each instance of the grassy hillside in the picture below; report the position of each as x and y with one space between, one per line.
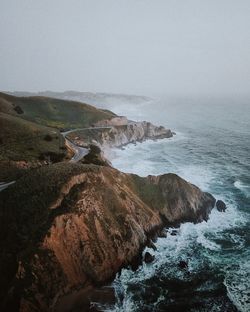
30 130
24 140
52 112
29 126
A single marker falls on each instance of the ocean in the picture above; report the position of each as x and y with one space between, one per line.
211 149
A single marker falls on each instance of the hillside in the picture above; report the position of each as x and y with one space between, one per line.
52 112
24 140
67 227
30 130
99 99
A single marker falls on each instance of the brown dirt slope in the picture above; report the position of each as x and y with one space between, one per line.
92 221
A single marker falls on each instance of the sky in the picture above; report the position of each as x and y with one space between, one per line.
126 46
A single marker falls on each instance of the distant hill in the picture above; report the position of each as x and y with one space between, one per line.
52 112
30 128
101 100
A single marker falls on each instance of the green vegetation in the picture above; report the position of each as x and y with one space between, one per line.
30 127
51 112
150 193
10 172
95 157
25 140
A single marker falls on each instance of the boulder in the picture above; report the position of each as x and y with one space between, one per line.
162 234
221 206
148 258
183 264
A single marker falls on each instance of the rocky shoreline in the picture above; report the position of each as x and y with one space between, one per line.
80 223
118 132
93 223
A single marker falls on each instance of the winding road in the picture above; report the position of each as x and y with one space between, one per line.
89 128
79 152
4 185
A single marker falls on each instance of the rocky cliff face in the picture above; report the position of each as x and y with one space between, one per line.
117 136
133 132
70 227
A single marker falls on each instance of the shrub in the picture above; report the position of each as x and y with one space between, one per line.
18 109
48 137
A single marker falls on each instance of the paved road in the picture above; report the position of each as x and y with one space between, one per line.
80 152
4 185
89 128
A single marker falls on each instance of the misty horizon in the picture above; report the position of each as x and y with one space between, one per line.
133 47
124 155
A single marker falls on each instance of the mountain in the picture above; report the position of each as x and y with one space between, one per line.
101 100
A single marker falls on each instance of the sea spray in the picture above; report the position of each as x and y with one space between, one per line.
215 158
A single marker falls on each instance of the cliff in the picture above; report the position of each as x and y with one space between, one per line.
69 227
66 228
30 135
119 135
30 130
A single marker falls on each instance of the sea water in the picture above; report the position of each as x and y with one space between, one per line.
211 149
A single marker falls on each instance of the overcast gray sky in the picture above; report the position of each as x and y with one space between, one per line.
126 46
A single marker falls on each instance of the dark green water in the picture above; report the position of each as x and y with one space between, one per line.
212 150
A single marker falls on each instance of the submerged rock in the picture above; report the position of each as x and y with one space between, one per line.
221 206
162 233
174 232
148 258
183 264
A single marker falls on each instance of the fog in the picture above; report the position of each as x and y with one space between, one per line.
126 46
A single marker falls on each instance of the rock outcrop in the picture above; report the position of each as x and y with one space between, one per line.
117 136
221 206
148 258
133 132
113 122
95 156
66 228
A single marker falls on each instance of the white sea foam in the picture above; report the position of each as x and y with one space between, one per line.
148 157
155 158
237 283
193 242
245 189
173 248
198 175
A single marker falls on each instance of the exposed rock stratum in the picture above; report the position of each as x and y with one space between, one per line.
69 227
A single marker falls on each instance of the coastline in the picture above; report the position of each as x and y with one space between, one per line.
94 220
135 215
110 134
